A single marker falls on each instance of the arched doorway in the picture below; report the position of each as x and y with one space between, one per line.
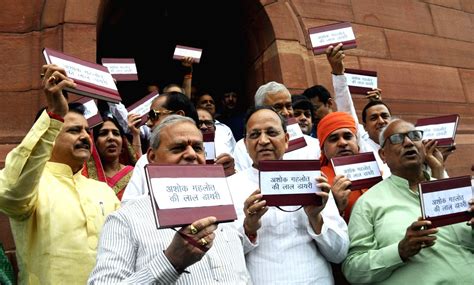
225 61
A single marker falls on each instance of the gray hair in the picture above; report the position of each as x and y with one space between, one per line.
271 87
167 121
384 129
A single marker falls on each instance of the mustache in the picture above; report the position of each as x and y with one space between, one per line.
83 143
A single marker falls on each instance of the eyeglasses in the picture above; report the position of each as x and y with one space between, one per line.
155 115
208 123
255 134
416 135
297 113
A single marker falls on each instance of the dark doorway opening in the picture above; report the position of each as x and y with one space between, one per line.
148 31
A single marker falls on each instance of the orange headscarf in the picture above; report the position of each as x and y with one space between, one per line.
330 123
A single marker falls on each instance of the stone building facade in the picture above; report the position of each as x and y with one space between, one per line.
423 51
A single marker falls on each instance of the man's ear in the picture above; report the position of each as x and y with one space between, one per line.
181 113
150 155
332 104
287 139
382 154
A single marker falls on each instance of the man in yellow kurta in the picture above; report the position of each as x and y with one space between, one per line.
56 214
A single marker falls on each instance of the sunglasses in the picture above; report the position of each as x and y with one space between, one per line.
154 115
416 135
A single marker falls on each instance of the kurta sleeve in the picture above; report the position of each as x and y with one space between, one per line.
24 166
343 97
333 241
136 186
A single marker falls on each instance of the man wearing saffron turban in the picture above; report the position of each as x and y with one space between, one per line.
337 137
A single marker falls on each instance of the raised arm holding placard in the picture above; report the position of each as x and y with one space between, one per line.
92 80
324 36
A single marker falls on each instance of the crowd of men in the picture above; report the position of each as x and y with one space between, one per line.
70 229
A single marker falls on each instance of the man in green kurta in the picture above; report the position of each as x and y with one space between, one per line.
389 242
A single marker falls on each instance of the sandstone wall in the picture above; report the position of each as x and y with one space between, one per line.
422 50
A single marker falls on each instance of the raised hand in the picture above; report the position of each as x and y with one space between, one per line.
446 151
335 56
434 158
54 81
187 61
374 94
133 121
227 162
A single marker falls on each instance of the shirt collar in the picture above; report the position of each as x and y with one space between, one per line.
402 183
62 169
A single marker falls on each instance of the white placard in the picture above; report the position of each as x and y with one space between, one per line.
187 52
85 73
359 80
289 182
294 131
332 36
90 109
438 131
143 108
121 68
186 192
447 202
358 171
209 148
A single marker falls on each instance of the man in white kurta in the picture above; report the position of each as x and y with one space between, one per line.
277 96
289 247
375 116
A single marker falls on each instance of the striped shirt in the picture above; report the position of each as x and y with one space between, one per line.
131 251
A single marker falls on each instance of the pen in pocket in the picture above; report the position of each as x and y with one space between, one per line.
102 207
